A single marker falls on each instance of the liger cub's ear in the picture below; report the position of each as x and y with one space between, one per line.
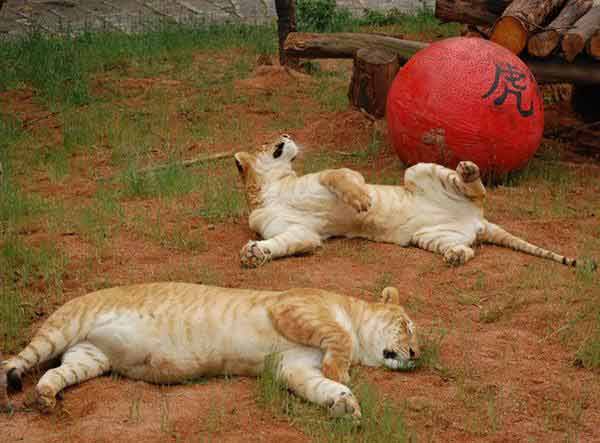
390 295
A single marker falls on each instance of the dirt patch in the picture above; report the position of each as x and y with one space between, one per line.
504 372
270 78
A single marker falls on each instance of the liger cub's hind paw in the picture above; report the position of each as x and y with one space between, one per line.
468 171
458 255
345 405
42 400
253 256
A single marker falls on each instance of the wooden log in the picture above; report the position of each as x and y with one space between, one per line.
373 73
336 46
471 12
575 40
555 70
543 43
477 31
286 23
345 45
520 19
593 46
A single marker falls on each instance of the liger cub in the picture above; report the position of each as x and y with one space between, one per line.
438 209
173 332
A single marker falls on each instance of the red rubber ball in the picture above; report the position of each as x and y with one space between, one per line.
465 99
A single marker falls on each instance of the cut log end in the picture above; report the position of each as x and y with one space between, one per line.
542 44
594 46
572 45
511 33
376 56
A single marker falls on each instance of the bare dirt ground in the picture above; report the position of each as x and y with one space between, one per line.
506 323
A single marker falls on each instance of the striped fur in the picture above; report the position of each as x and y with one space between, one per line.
4 403
172 332
438 209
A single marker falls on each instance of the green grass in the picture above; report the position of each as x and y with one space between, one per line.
16 206
222 199
381 421
14 317
22 265
423 23
331 91
170 181
431 345
326 16
61 69
179 236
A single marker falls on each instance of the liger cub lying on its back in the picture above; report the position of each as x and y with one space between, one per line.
437 209
172 332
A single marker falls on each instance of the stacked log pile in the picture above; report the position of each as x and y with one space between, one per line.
569 29
564 34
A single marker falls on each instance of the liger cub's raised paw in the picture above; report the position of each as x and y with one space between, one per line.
358 198
468 171
458 255
345 405
253 256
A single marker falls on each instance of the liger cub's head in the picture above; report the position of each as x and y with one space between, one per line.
271 162
392 335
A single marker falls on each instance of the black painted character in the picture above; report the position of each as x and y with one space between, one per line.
510 78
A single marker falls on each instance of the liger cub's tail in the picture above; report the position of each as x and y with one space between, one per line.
495 235
60 331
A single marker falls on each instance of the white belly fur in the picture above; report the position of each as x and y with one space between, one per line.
176 346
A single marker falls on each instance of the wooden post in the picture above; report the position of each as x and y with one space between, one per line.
575 40
286 23
470 12
543 43
519 19
373 74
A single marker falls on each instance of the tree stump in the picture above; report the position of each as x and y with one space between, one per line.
373 73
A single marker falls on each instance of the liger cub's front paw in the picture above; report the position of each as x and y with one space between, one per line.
359 198
253 256
345 405
458 255
468 171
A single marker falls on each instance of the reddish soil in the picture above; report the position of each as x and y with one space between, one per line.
506 380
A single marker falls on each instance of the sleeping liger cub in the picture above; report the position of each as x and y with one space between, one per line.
437 209
173 332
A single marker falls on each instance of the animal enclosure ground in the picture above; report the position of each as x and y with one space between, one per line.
512 342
